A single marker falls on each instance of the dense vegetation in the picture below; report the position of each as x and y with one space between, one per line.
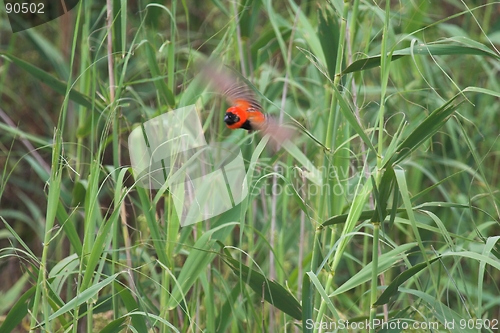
385 207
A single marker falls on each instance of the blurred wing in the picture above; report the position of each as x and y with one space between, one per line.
278 134
241 92
227 84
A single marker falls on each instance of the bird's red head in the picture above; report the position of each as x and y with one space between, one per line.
235 117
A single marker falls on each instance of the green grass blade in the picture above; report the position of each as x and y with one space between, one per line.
69 228
386 261
385 189
307 304
161 85
272 291
351 119
328 35
392 288
149 214
84 296
203 252
18 311
115 326
52 82
322 292
424 131
138 322
429 49
441 311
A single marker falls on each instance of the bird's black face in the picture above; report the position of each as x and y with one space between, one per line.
231 119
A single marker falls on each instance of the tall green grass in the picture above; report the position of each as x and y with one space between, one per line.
394 103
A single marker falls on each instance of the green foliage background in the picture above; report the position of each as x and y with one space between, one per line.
395 103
